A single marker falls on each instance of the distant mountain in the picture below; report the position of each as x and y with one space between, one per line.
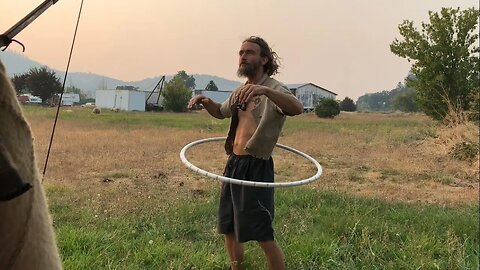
16 63
89 82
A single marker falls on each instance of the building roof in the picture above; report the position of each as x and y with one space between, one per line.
293 86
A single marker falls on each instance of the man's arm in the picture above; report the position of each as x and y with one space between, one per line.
289 104
212 107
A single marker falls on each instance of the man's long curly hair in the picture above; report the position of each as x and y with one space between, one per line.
271 67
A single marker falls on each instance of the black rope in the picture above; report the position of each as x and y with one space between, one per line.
61 94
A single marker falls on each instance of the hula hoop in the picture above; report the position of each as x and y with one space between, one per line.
244 182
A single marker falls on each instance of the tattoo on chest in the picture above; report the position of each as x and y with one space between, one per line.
256 101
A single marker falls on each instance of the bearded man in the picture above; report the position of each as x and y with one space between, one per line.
258 110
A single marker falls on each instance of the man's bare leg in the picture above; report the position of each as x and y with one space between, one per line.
274 253
235 251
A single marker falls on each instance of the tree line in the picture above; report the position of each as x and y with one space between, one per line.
401 98
45 84
41 82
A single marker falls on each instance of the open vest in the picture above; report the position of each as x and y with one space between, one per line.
269 118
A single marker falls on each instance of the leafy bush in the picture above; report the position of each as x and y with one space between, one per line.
327 108
466 151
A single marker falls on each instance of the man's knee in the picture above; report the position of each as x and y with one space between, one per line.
268 244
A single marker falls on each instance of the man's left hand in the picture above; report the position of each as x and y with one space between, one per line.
248 92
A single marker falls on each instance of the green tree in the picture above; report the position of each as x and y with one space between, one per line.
385 100
211 86
189 80
475 106
445 56
348 105
379 101
406 101
43 83
176 95
327 108
20 83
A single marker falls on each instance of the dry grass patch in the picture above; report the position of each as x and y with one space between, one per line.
389 156
382 161
117 167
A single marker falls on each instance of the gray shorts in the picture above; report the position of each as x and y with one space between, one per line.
247 211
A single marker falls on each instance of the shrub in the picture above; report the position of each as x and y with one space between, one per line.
466 151
327 108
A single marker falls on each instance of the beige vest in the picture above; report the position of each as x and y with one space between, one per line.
269 118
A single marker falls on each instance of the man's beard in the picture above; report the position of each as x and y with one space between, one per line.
248 70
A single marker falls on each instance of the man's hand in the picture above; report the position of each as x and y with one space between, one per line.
198 99
212 107
288 103
248 92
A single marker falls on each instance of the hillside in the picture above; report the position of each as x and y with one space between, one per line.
89 82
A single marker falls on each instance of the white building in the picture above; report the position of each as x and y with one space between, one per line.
127 100
309 93
68 99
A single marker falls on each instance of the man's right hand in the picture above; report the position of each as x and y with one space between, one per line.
212 107
198 99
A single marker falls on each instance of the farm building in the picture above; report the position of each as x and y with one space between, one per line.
127 100
309 93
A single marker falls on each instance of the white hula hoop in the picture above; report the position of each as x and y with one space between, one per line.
244 182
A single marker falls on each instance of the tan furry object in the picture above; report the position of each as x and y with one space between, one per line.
26 234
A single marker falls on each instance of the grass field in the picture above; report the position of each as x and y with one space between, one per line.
391 196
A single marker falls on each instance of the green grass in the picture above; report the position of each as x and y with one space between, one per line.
317 230
382 124
123 119
203 121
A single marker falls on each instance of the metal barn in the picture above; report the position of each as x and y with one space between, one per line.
309 93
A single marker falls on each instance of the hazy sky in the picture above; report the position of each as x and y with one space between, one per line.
340 45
